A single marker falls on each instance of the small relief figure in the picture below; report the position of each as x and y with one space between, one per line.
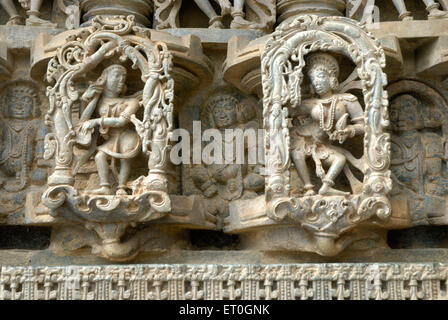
403 14
112 123
431 6
246 14
226 8
22 142
233 180
418 155
329 118
33 12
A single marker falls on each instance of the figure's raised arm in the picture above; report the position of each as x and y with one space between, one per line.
356 114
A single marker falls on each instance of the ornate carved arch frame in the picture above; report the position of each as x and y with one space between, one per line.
120 39
283 63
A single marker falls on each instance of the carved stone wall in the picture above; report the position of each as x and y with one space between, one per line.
183 132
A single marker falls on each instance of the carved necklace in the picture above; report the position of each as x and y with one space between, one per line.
324 126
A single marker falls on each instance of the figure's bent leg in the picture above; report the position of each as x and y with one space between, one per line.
238 16
403 13
302 169
103 172
125 170
444 4
206 7
433 9
337 161
226 6
33 16
10 8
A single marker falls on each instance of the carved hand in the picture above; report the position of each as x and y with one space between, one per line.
342 135
90 124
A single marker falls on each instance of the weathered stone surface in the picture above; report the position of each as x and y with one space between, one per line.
200 282
286 131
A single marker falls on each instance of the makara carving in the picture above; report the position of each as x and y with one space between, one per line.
104 123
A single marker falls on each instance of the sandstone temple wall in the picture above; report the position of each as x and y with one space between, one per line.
246 149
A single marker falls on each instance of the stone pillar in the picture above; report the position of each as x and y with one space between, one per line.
141 9
288 9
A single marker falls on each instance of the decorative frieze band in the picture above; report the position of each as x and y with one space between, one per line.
221 282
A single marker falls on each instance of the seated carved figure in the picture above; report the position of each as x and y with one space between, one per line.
230 181
329 117
417 157
121 141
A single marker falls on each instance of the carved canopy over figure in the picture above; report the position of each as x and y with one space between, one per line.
330 115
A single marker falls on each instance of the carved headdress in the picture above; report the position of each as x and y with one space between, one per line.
15 92
99 85
213 102
325 62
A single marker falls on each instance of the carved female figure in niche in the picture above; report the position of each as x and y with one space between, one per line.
21 138
230 181
329 117
113 113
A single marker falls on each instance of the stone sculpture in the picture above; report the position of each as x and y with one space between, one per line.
72 12
105 167
22 137
403 14
166 13
330 116
113 120
295 48
234 180
107 114
33 12
419 151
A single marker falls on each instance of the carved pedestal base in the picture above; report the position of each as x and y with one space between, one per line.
313 224
289 9
141 9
